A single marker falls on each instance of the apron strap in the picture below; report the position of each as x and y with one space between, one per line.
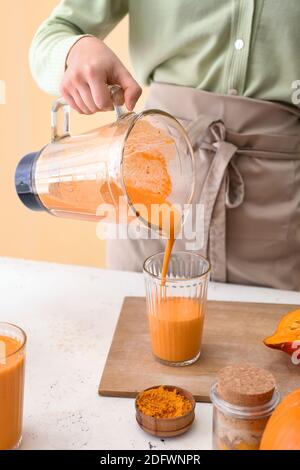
222 189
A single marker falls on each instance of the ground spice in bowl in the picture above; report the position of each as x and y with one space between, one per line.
163 402
165 410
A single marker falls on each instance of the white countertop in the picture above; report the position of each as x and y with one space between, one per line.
69 314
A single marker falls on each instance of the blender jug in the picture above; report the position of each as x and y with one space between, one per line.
144 159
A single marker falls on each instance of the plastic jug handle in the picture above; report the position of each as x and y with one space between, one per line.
117 96
60 130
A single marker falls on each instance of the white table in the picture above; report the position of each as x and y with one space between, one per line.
69 314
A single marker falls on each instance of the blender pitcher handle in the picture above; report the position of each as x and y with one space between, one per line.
59 131
119 109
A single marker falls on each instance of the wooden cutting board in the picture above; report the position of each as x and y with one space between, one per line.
233 333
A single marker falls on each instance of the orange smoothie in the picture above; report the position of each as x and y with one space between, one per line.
144 170
176 328
167 256
11 391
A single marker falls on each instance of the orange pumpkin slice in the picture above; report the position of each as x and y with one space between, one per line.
287 335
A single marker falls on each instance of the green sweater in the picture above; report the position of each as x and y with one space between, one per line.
248 47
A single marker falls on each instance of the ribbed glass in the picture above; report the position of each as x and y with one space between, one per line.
12 365
176 308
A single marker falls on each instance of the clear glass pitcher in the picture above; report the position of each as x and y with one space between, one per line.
143 159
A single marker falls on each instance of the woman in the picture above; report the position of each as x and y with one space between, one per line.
226 68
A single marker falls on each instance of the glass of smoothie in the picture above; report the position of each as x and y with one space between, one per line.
176 306
12 364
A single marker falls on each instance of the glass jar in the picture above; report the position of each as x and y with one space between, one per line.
240 427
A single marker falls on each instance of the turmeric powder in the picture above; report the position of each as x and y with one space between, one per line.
162 402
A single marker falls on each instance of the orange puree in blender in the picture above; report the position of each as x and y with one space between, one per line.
144 169
176 328
11 392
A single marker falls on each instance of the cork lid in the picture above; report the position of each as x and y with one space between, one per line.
245 385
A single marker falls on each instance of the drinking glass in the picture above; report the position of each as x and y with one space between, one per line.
12 364
176 306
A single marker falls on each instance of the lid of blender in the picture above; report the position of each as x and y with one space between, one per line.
24 182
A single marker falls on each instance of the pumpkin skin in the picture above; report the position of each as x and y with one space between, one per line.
287 336
283 428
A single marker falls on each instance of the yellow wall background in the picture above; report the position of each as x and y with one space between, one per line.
24 127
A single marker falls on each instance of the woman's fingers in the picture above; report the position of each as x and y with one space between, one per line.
132 90
68 98
91 66
88 92
69 91
100 93
87 98
79 101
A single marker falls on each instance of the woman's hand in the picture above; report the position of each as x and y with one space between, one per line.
91 66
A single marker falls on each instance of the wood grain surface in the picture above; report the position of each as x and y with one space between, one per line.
233 333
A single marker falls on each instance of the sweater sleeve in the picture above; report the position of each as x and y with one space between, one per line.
69 21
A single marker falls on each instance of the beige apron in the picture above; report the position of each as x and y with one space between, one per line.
248 179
